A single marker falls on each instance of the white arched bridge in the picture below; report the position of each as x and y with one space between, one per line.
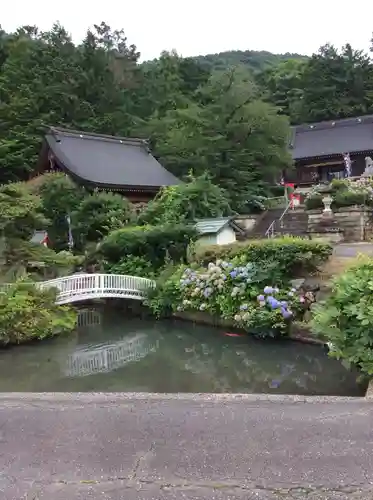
81 287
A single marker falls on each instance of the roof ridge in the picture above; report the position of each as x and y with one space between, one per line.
93 135
338 122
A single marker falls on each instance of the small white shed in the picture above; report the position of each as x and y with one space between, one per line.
220 231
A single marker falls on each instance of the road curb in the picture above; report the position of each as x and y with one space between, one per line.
122 398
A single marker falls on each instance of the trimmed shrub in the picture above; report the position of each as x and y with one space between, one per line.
29 313
345 193
198 198
277 191
342 198
290 255
132 265
155 244
350 198
345 319
314 202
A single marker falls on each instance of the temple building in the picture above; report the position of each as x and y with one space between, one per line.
319 149
105 162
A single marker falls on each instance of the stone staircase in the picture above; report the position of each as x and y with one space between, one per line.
263 224
293 223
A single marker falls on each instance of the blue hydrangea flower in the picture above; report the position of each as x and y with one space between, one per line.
268 289
261 298
274 304
233 273
286 313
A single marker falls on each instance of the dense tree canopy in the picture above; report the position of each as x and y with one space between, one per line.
226 116
331 84
197 120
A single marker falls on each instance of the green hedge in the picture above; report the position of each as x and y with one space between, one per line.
340 199
156 244
291 255
314 202
345 319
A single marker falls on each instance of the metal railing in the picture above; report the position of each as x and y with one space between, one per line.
81 287
271 231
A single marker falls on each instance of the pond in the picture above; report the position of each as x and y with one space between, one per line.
112 352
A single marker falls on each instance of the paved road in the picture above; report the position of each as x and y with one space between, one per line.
353 249
139 447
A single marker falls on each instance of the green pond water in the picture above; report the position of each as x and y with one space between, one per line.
113 352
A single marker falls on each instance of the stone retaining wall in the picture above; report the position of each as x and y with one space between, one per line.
299 333
248 222
347 224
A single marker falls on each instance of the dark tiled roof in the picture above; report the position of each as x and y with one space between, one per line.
108 161
351 135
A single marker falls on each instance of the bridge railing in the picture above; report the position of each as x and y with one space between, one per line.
98 283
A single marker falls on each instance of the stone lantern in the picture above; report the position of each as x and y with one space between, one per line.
327 200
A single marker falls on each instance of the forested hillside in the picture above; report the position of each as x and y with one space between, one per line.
255 60
232 124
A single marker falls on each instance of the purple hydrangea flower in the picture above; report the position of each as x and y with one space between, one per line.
286 313
274 304
268 289
274 384
233 274
261 298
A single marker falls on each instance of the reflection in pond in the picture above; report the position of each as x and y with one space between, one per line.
111 352
109 357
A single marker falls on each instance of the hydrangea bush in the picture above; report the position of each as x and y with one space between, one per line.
238 293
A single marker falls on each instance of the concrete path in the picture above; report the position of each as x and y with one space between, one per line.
143 447
353 249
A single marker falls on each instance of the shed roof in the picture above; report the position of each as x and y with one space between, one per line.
351 135
214 226
108 161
